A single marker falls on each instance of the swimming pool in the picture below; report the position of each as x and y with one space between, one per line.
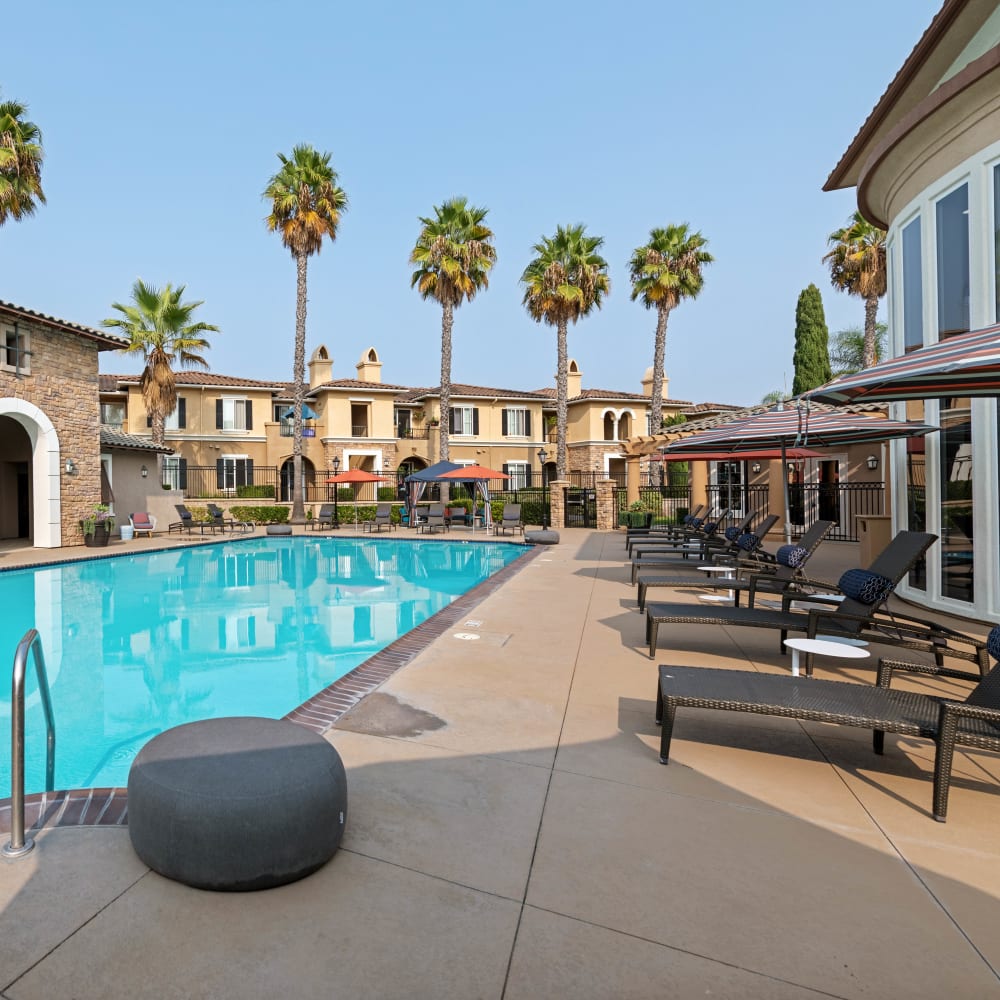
136 644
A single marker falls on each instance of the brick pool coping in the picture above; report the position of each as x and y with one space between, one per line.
109 806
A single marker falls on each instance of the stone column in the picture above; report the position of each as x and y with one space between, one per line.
557 507
607 516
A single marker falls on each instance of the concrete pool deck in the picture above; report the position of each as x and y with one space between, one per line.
511 834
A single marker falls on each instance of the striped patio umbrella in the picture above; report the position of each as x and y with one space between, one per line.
964 365
797 427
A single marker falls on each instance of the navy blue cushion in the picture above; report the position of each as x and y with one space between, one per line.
748 542
732 533
865 586
695 522
688 518
993 642
710 528
791 556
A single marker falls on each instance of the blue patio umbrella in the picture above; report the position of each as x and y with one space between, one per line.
417 482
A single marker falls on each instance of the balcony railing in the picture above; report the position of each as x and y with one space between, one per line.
359 430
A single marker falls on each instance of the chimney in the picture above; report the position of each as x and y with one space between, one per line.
647 384
574 380
369 367
320 367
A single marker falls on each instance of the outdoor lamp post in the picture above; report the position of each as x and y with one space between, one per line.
542 456
336 490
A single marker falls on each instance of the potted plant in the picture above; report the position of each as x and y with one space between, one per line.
98 525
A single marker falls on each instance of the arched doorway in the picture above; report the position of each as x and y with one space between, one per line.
286 475
30 467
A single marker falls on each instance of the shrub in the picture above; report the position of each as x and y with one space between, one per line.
257 515
255 492
386 493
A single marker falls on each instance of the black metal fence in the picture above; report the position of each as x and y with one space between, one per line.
837 502
741 500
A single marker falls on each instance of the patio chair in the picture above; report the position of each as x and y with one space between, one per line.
383 518
142 523
857 616
666 553
435 519
186 522
691 535
974 722
510 521
667 529
324 519
710 537
788 570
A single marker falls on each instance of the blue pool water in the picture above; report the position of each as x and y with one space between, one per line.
136 644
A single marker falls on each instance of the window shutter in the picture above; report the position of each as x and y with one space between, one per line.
249 414
220 473
453 421
181 411
182 473
149 419
249 476
503 424
218 414
475 420
505 469
527 423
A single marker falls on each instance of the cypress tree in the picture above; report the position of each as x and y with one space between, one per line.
812 352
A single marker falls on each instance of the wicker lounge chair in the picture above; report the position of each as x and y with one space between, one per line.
695 529
850 619
667 554
218 519
142 524
186 522
974 722
663 530
435 519
510 521
383 518
788 571
714 536
324 519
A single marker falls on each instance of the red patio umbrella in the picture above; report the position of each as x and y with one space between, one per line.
355 477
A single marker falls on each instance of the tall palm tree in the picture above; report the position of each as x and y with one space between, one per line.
453 258
858 267
159 327
21 158
564 282
306 206
663 272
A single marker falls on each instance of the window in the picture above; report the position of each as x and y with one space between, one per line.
233 414
175 472
232 471
464 420
14 352
516 422
113 415
913 288
279 411
173 421
952 214
520 474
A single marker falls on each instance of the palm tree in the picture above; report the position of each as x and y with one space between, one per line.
858 267
306 206
664 271
159 327
453 258
565 281
21 158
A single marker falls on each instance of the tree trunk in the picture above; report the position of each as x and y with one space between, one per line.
159 427
447 320
299 375
659 360
562 410
871 311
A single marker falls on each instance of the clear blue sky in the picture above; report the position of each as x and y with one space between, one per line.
162 122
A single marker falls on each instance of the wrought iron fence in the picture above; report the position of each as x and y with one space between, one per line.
740 499
837 502
668 504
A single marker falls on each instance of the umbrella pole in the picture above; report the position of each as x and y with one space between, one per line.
784 481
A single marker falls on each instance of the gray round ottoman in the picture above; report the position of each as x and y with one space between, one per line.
279 529
236 803
544 536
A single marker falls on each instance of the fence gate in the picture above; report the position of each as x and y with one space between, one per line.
580 507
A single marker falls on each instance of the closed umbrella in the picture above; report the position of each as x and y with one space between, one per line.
355 477
799 427
964 365
481 476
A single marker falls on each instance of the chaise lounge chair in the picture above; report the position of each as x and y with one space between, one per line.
857 616
435 519
658 530
218 519
510 521
383 518
974 722
693 529
787 572
324 519
186 522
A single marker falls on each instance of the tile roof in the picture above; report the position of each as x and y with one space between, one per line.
461 389
117 439
211 378
108 340
353 383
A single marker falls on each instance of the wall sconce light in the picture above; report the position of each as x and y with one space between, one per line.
872 462
755 468
143 471
70 467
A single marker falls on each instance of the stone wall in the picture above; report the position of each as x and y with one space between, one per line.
63 384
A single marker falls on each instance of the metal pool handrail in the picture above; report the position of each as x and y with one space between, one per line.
31 642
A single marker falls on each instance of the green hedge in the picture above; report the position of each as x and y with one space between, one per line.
259 515
255 492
